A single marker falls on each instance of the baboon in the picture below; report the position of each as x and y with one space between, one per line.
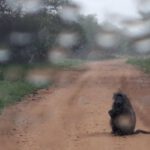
123 118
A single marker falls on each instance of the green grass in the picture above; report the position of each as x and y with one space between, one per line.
64 64
68 64
12 92
143 64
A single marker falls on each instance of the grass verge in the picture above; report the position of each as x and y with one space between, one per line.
12 91
13 84
143 64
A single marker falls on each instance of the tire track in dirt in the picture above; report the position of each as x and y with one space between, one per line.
75 116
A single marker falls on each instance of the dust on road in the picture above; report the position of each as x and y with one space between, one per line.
74 116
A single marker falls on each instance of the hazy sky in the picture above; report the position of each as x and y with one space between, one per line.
126 8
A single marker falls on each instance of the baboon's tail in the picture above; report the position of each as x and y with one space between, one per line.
141 131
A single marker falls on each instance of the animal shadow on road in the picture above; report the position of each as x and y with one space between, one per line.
102 134
95 134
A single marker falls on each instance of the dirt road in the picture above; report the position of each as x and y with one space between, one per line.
74 116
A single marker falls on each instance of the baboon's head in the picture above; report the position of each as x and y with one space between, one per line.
119 99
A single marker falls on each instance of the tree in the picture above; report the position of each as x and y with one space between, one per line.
4 9
91 28
40 29
55 4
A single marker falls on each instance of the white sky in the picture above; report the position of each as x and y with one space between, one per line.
125 8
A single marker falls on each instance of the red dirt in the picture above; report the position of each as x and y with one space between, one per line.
74 115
